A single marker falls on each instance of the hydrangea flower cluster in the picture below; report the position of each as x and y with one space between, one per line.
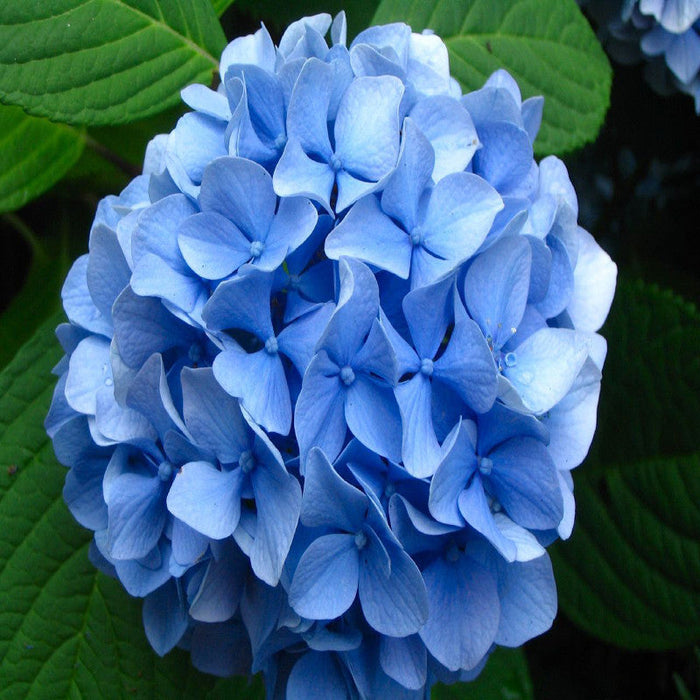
666 33
329 363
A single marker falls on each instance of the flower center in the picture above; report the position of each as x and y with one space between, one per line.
360 540
256 249
165 471
485 465
271 346
417 236
426 366
246 461
347 375
335 163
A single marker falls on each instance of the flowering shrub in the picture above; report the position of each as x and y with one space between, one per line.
329 363
666 33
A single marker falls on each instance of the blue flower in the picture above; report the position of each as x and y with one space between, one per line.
328 365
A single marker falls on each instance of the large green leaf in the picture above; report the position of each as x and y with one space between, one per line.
220 6
506 677
547 45
104 61
65 630
38 299
34 154
631 572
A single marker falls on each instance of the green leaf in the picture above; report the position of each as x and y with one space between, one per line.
506 677
631 572
278 15
38 299
66 630
546 45
34 154
220 6
104 61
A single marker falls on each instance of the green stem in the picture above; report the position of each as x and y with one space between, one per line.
26 233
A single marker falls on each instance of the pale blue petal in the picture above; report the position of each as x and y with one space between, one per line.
164 617
376 356
428 310
319 415
258 379
403 189
460 212
212 246
506 157
89 370
496 288
326 578
405 660
420 449
369 235
329 501
189 546
308 109
229 307
367 127
137 515
395 604
464 612
222 586
532 115
153 277
207 499
524 480
241 191
107 270
298 175
373 416
294 222
78 303
278 502
546 365
467 366
450 131
298 340
82 493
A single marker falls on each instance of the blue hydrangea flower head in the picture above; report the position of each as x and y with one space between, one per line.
329 362
665 33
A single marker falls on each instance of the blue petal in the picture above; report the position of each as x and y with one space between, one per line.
298 175
404 188
366 233
450 131
546 366
524 480
278 502
230 306
258 379
496 288
141 577
82 493
212 416
420 449
308 109
153 277
221 648
376 356
467 366
164 617
459 214
222 586
107 270
207 499
294 222
326 578
319 415
506 158
212 246
78 303
241 191
464 612
451 477
298 340
395 604
89 370
373 416
367 127
405 660
357 308
137 515
428 310
316 674
329 501
188 545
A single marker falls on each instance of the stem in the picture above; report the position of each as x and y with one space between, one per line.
25 232
124 165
